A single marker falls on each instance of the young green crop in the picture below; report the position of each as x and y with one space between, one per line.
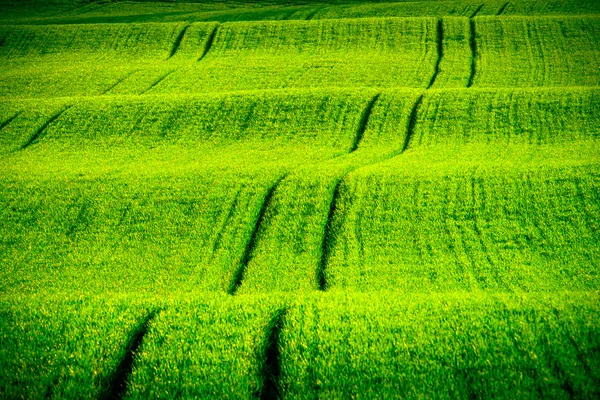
64 348
359 205
388 345
207 347
536 51
300 54
67 12
495 191
292 241
156 194
95 59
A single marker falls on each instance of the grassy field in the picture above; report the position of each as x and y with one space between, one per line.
298 199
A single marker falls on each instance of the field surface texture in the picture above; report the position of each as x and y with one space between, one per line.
298 199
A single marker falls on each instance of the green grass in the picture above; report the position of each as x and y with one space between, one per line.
536 51
451 346
64 348
206 348
294 199
60 12
146 177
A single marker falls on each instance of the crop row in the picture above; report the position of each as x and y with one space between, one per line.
109 59
318 346
71 12
303 190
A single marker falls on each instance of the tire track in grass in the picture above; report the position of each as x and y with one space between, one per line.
177 41
364 120
522 351
473 51
118 82
412 122
578 353
480 237
502 9
271 368
326 244
10 119
440 52
119 379
156 82
328 232
79 220
555 366
287 16
209 42
219 236
41 131
238 275
312 14
476 11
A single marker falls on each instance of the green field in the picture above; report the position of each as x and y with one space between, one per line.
300 199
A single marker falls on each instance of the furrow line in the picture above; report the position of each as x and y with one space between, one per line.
209 42
440 52
271 368
246 257
476 11
9 120
159 80
287 16
473 52
364 120
118 82
178 40
579 354
78 220
502 8
39 133
327 237
328 232
412 121
223 226
119 379
313 13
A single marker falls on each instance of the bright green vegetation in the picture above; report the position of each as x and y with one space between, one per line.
64 348
103 59
540 51
455 346
211 347
173 58
509 177
69 12
297 199
144 178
